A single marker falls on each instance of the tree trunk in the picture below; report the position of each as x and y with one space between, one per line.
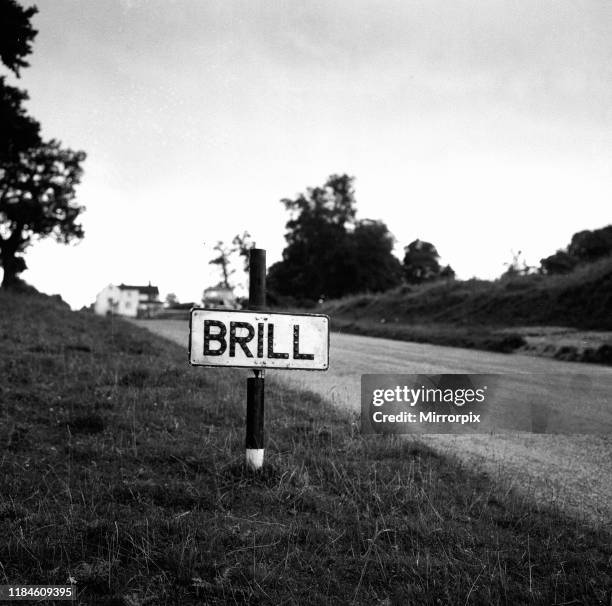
12 267
11 263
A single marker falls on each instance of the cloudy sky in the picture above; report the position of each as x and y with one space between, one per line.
481 126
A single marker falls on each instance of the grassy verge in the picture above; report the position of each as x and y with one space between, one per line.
481 314
121 469
581 299
439 334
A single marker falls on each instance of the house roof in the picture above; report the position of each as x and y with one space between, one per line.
144 290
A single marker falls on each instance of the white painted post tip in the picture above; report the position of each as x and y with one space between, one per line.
255 457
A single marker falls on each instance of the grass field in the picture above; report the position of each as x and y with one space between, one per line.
121 470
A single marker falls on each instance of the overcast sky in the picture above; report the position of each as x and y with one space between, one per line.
483 127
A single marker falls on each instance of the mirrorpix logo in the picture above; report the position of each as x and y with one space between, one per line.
449 403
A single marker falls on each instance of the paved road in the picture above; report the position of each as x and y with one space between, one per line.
574 471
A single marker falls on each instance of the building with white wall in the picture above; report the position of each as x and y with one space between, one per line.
127 300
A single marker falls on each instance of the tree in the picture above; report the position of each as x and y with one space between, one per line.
16 34
18 131
376 268
171 300
314 261
447 272
559 263
223 261
421 263
242 245
585 247
37 200
37 179
588 246
329 253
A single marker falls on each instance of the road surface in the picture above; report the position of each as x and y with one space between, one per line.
572 471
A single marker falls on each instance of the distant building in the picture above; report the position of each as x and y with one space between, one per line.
126 300
219 296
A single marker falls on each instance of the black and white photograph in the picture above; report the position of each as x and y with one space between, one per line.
306 302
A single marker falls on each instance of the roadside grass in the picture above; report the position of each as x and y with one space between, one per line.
580 299
121 469
469 337
480 314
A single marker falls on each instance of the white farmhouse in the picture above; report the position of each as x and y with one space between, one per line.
126 300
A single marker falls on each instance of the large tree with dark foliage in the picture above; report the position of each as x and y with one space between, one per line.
37 178
329 253
421 263
18 131
375 267
559 263
585 247
16 34
37 200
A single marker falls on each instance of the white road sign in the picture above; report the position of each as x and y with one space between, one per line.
258 339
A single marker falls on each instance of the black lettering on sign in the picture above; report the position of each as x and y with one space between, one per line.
296 346
271 352
242 341
219 337
260 339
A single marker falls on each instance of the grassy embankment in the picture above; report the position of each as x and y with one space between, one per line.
121 468
478 313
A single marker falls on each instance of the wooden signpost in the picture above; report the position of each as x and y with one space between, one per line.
258 339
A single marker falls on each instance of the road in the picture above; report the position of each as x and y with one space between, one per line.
572 471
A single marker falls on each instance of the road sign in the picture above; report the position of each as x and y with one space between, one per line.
258 339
